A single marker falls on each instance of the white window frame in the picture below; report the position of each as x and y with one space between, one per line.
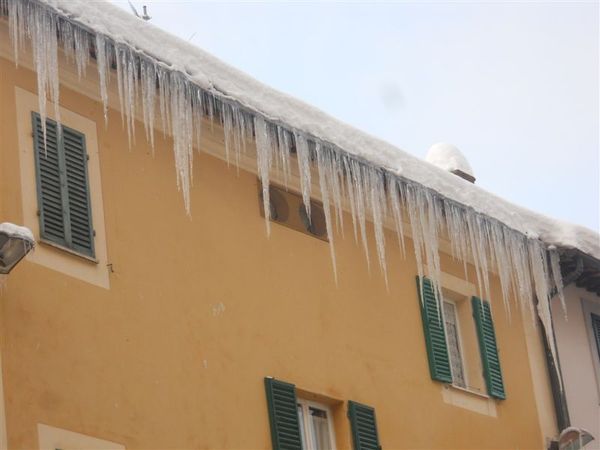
308 429
460 344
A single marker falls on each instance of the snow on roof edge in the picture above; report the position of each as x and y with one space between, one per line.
214 75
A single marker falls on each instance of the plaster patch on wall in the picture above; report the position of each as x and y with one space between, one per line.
51 438
218 309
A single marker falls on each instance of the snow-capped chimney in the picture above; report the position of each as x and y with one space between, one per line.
448 157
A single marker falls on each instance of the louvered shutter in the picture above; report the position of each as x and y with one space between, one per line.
283 415
488 348
364 426
78 205
596 331
50 187
435 336
63 187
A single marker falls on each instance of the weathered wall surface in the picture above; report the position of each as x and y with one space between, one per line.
579 359
199 310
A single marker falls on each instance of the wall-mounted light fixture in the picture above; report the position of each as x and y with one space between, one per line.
573 438
15 243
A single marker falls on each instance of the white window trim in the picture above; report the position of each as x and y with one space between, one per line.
460 346
305 404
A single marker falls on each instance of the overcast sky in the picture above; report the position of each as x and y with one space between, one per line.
513 84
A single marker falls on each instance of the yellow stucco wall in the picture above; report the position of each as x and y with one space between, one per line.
201 309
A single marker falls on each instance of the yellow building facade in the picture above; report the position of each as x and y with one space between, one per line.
164 337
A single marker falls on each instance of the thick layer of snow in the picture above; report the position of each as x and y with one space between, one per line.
449 158
17 231
212 74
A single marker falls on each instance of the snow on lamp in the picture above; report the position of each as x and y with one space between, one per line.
15 243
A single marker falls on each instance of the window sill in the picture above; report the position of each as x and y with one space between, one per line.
468 391
69 251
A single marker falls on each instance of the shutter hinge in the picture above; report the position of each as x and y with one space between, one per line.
94 233
38 213
87 157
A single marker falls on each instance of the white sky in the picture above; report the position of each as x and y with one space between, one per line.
514 85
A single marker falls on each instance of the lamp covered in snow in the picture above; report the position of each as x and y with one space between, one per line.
15 243
573 438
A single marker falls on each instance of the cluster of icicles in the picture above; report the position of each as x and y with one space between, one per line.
525 267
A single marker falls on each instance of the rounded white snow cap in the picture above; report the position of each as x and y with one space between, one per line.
448 157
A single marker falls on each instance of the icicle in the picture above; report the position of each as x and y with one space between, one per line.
81 42
42 29
325 168
264 157
539 270
359 196
413 216
351 194
557 277
102 63
498 248
164 95
148 90
337 190
181 125
284 154
197 109
394 198
17 26
377 202
303 155
228 131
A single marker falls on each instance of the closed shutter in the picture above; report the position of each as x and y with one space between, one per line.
488 348
364 426
596 331
50 188
63 187
283 415
435 336
79 210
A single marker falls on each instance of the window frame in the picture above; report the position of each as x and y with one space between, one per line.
306 430
63 244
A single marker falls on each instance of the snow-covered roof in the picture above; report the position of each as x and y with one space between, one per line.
214 75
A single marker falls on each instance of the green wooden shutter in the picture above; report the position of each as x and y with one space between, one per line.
283 415
50 187
435 335
63 187
364 426
488 348
596 331
78 205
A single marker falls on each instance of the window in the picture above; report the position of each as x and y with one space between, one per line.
316 429
287 209
457 366
473 363
300 424
64 206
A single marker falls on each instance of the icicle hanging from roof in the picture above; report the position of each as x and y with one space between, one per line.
345 181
